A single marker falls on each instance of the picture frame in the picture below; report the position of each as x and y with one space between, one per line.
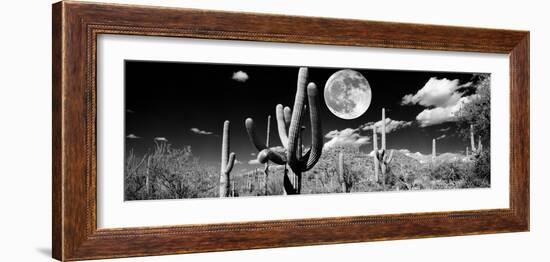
75 30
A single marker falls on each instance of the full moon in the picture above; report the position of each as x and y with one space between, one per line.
347 94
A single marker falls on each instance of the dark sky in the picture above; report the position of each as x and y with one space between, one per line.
165 99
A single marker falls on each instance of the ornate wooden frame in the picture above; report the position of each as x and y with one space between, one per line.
76 26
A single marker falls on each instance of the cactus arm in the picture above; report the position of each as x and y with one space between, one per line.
230 163
253 136
296 120
389 158
287 113
272 155
380 155
281 124
316 131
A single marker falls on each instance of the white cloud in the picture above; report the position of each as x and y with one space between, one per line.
438 115
391 125
162 139
441 137
436 92
200 132
240 76
132 136
443 100
237 162
347 136
253 154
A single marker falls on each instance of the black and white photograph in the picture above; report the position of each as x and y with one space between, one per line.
204 130
274 131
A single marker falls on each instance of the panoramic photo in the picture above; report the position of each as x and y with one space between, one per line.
203 130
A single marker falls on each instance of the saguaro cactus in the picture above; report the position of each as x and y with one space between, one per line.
433 150
383 128
383 158
227 162
472 139
375 150
289 125
479 147
346 187
266 168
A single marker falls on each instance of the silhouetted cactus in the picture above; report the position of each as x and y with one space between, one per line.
227 162
289 125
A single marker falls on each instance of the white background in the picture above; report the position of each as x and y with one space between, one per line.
25 150
112 211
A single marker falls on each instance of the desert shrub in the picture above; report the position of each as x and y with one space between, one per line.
275 183
482 165
168 173
481 171
324 177
448 171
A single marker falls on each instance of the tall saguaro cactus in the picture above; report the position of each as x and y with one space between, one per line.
383 129
266 168
433 150
383 158
472 139
289 126
375 156
227 162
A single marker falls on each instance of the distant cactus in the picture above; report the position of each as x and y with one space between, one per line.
433 150
472 139
227 162
382 156
289 125
479 147
375 156
345 181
